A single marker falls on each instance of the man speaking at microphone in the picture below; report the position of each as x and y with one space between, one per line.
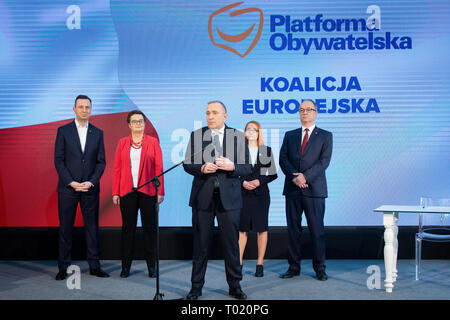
216 156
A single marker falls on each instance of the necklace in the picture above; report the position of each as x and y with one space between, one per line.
136 145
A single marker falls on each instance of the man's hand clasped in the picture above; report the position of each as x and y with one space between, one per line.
81 187
300 180
222 163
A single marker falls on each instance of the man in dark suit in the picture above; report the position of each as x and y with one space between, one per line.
304 157
216 156
80 162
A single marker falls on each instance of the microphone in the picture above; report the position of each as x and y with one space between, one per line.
155 178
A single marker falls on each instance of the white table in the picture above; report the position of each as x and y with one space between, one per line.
390 218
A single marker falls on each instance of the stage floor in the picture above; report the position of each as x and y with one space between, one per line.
34 280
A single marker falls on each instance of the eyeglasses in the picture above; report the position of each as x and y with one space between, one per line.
214 113
135 122
251 130
307 110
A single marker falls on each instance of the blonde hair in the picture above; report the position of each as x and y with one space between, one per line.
260 139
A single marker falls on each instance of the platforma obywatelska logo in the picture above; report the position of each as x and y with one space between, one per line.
235 43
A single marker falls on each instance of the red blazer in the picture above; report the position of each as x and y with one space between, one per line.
150 166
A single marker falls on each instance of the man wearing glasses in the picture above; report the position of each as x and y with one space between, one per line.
304 157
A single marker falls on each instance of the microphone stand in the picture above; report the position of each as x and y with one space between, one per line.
157 184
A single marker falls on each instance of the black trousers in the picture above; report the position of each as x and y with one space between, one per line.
314 209
129 207
67 209
203 225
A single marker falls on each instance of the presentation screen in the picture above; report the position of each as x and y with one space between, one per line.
379 72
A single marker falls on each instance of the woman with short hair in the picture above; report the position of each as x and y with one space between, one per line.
138 159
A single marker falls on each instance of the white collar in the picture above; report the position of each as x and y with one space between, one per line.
80 126
311 128
218 131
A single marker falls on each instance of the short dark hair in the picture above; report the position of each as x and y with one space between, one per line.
82 96
312 101
132 113
219 102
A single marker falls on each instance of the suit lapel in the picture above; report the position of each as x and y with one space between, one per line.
262 151
311 139
257 157
89 138
145 146
76 136
298 141
206 138
258 162
224 142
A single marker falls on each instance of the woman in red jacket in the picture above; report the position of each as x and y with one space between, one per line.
138 159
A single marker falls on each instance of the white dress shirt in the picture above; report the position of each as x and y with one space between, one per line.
219 132
253 155
135 157
310 129
82 133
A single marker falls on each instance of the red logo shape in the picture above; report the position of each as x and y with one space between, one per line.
239 37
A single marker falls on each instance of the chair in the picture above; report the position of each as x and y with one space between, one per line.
432 227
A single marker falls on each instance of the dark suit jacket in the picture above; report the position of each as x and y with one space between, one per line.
199 151
313 163
74 165
264 170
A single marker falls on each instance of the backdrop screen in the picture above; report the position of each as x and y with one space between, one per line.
378 70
